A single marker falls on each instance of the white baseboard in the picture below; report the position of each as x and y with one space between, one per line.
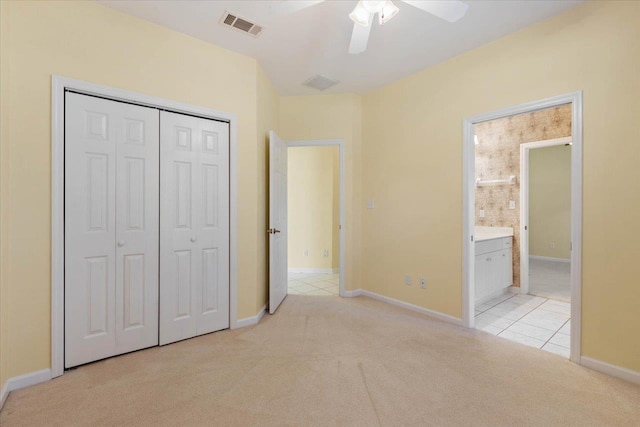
315 270
352 294
548 258
3 395
248 321
22 381
609 369
432 313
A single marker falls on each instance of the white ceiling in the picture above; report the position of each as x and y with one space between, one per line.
293 48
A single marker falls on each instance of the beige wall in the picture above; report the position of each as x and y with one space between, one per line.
268 115
412 164
313 207
498 156
550 201
333 117
4 163
87 41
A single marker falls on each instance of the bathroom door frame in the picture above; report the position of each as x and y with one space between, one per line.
525 150
468 206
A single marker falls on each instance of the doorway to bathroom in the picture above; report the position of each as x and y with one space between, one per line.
522 186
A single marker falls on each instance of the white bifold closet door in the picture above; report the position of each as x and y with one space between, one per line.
111 228
194 226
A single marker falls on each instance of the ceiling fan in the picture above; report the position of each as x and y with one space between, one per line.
365 11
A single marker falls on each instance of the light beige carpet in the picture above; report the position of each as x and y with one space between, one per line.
332 361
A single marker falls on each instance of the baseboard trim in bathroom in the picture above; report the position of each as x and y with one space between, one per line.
548 258
315 270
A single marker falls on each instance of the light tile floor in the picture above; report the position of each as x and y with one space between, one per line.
550 279
314 284
531 320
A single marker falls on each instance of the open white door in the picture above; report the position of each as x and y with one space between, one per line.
277 221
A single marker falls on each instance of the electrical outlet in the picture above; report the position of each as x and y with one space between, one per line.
325 253
552 245
407 280
481 213
512 204
423 283
306 252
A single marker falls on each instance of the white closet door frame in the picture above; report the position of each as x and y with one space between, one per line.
58 88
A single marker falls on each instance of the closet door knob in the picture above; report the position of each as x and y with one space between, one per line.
120 243
193 239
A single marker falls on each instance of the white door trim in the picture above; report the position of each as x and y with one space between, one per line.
524 203
468 203
58 87
340 144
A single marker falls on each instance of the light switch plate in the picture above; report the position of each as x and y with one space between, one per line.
370 204
512 204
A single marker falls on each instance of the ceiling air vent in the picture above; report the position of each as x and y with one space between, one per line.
319 82
234 21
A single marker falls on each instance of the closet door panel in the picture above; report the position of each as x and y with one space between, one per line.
178 186
137 228
213 226
111 228
90 193
194 238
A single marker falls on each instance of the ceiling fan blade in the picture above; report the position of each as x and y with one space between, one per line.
360 37
449 10
287 7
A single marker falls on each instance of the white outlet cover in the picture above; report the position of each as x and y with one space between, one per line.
371 204
481 213
512 204
407 280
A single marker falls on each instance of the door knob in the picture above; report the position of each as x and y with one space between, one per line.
193 239
120 243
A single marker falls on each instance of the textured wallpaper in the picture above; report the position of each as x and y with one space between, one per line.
498 156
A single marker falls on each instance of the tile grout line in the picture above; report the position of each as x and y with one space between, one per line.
504 300
516 321
555 333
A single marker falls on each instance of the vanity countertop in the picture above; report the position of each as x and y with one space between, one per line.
488 233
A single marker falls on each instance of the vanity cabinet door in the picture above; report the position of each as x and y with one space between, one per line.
501 267
481 276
